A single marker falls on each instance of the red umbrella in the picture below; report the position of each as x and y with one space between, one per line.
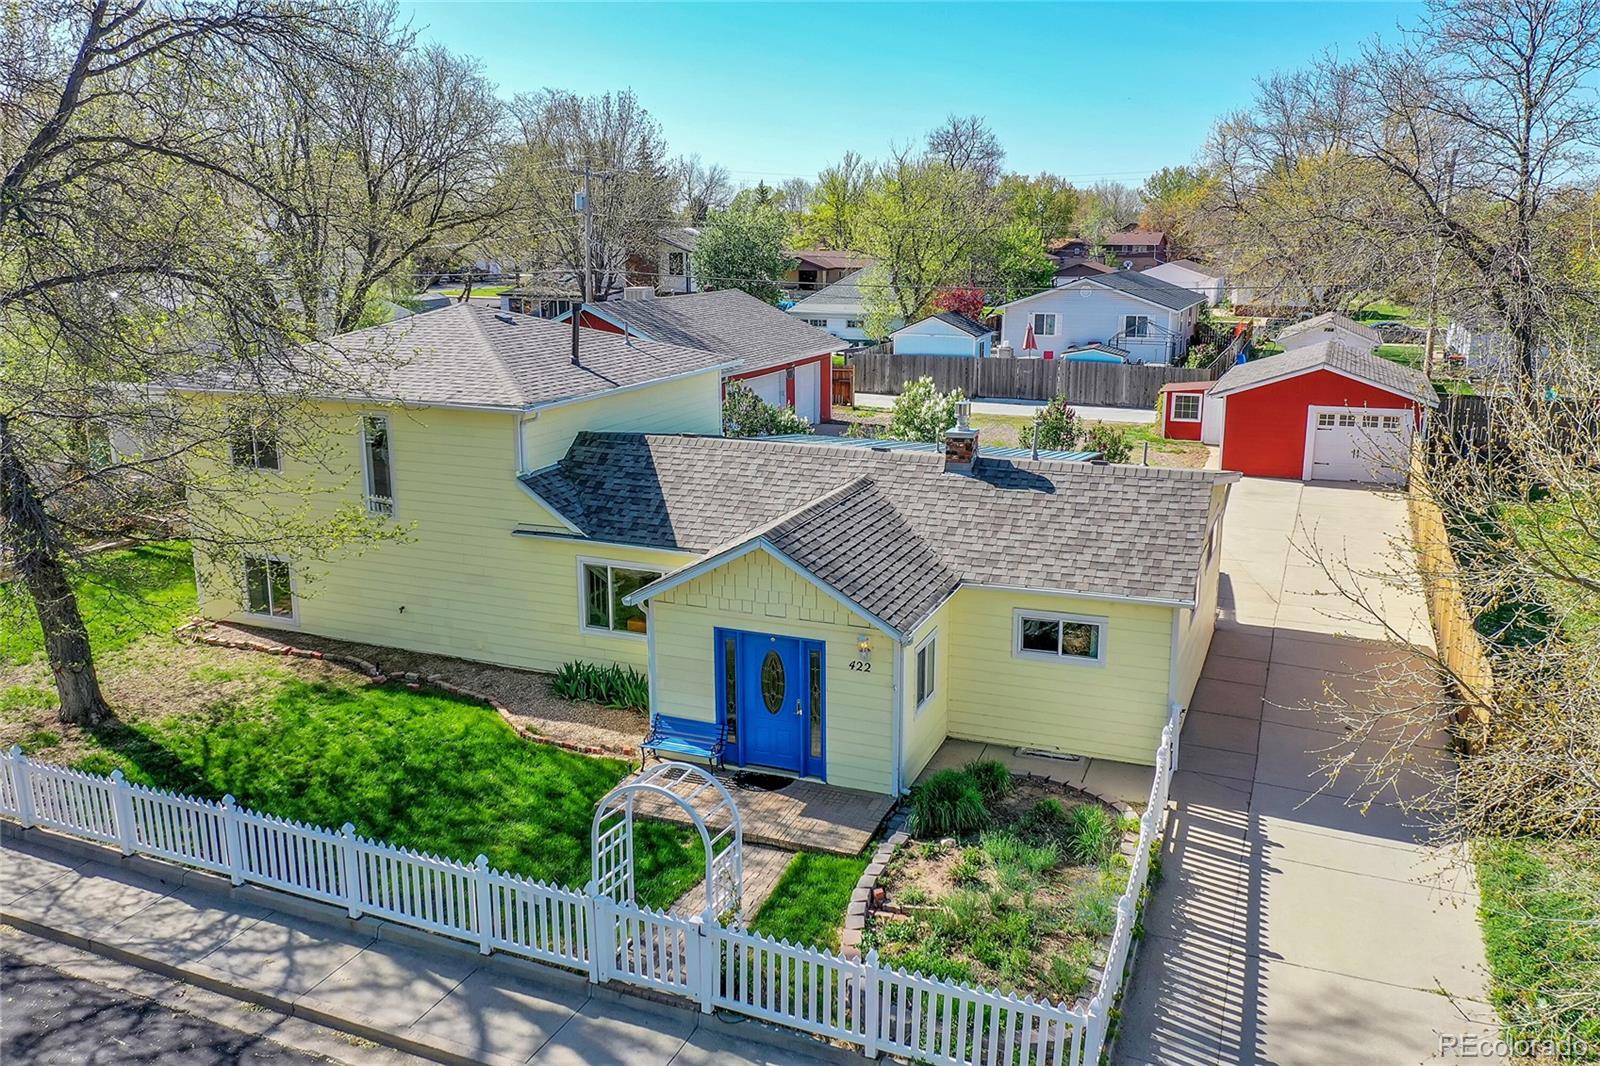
1028 343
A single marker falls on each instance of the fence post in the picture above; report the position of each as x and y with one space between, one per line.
872 1004
705 961
122 811
485 904
349 869
23 782
599 936
234 838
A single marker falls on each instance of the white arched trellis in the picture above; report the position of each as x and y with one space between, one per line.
710 809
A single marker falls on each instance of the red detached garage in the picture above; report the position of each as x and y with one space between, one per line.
1182 405
1324 412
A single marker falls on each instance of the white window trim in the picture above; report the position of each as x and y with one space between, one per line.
290 619
366 466
583 597
1018 652
1199 410
916 657
1054 321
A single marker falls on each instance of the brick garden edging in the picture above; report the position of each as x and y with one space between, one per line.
866 898
195 630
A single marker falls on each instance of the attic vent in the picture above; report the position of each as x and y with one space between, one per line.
507 319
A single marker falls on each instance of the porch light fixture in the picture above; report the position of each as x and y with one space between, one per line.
864 644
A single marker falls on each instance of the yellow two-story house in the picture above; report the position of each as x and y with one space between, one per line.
825 608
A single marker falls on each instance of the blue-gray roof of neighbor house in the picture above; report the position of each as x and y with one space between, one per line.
877 445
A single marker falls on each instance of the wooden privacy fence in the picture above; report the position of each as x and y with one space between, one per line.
1094 384
1460 648
856 1001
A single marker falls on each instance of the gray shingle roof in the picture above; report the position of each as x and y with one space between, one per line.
1134 283
1014 522
729 321
1380 371
971 327
470 355
1328 321
842 297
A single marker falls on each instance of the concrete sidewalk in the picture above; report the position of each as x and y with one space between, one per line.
1289 926
423 995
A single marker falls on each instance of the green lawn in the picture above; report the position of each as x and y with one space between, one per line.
1540 911
808 904
123 595
1387 311
1404 354
420 769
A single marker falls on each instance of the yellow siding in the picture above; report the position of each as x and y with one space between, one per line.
1196 627
461 584
759 594
688 405
1115 710
925 728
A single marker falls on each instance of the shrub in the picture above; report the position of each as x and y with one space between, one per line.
922 412
744 414
1044 817
992 778
1092 834
1058 426
948 804
1111 442
610 684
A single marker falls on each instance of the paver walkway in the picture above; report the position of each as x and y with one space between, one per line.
763 866
437 1001
800 816
1287 926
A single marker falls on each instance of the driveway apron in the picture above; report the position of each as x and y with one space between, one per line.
1288 925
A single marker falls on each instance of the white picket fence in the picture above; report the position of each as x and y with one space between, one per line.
857 1001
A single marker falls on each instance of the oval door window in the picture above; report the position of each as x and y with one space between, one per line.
772 682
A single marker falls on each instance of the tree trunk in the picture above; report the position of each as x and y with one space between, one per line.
26 534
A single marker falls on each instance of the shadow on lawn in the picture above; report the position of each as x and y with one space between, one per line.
422 770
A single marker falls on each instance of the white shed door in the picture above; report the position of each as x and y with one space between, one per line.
808 392
770 387
1358 444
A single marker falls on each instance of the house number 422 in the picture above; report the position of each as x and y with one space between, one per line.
861 666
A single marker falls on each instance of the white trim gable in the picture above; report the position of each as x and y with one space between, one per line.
1291 374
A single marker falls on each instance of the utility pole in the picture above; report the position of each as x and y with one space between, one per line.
1438 261
582 203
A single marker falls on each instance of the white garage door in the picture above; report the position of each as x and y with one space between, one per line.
1358 444
771 388
808 392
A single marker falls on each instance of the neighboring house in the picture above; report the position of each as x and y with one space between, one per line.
1485 349
840 309
1183 409
1150 319
1136 249
1068 249
786 362
1322 412
1081 268
836 611
1187 274
675 265
944 333
817 268
1329 326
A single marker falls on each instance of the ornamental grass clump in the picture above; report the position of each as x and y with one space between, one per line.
948 804
1092 834
991 777
609 684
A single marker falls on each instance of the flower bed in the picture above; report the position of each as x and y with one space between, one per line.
1007 882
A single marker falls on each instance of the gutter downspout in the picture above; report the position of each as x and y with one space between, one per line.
896 726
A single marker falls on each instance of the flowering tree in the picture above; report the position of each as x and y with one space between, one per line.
962 301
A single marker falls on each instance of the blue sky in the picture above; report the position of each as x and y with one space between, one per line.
1086 90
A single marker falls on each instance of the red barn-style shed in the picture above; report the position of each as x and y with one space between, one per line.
1324 412
1182 408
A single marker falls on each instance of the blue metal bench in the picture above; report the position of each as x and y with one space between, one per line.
686 736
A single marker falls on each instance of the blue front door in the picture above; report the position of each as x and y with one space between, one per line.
778 697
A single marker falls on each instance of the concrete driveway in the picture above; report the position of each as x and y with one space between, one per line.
1288 927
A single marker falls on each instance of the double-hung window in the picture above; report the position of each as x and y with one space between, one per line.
254 445
1136 326
926 669
377 463
1186 407
1045 635
675 264
1044 324
604 586
268 587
